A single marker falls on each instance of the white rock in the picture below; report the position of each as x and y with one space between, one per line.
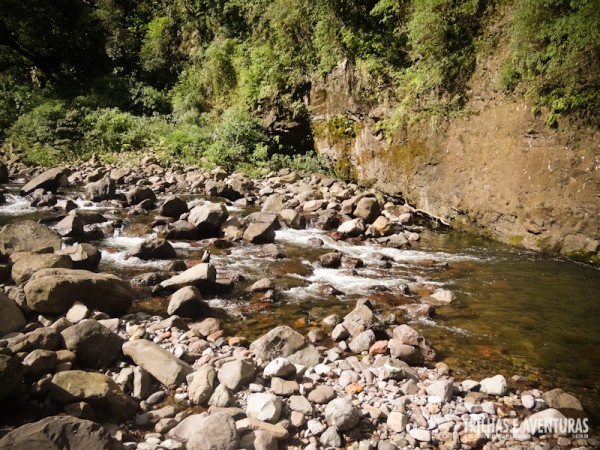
279 367
443 295
528 401
441 389
397 422
265 407
420 434
494 385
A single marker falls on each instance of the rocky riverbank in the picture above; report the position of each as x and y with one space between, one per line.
84 368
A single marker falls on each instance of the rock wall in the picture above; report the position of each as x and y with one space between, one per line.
496 168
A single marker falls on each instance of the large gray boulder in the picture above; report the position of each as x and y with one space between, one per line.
25 267
273 204
11 316
27 236
50 180
174 207
138 194
367 209
279 342
201 275
215 432
83 256
104 189
109 403
154 248
54 291
161 364
259 233
209 217
59 433
187 302
94 345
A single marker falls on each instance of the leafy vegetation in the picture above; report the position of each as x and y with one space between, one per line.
215 81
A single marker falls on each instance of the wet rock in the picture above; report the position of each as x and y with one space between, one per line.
262 285
259 233
201 276
342 414
559 399
25 267
367 209
3 173
104 189
208 218
101 392
331 260
161 364
83 256
183 230
12 318
154 248
27 236
70 226
55 290
327 220
139 194
352 228
94 344
215 432
259 440
443 296
60 432
236 374
49 181
187 302
293 219
420 310
173 206
11 374
265 407
494 385
279 342
202 385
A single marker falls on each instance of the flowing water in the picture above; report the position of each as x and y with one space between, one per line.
515 313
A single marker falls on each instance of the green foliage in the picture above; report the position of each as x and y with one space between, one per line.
556 49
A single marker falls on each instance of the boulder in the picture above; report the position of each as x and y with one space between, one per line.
201 276
362 341
27 236
409 336
154 248
12 318
184 430
40 338
104 189
59 433
273 204
441 389
182 229
263 406
544 422
161 364
331 260
259 233
361 318
25 267
40 362
70 226
404 352
108 401
279 342
49 181
352 228
215 432
3 173
233 228
54 291
494 385
173 206
259 440
279 367
559 399
202 385
208 218
94 344
187 302
236 374
367 209
83 256
342 414
11 374
293 219
138 194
